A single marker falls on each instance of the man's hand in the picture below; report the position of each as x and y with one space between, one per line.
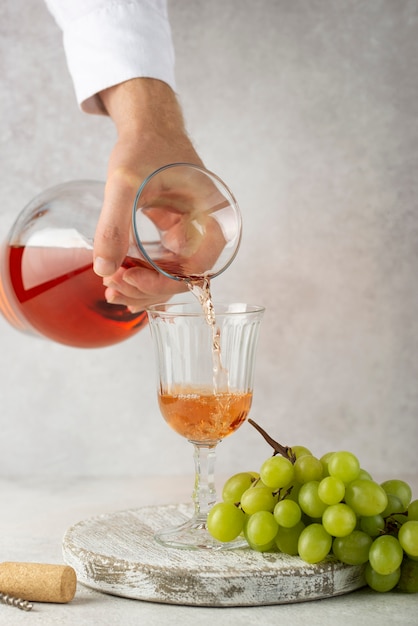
151 134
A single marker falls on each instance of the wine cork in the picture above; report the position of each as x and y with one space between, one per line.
38 582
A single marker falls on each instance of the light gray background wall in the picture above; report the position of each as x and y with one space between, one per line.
309 110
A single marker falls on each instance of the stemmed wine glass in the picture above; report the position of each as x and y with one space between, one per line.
205 369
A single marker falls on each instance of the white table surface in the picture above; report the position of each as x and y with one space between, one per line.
36 512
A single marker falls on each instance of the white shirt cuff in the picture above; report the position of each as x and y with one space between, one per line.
114 42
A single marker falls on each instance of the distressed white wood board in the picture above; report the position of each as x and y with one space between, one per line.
116 554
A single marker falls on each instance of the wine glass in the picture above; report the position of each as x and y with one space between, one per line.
205 371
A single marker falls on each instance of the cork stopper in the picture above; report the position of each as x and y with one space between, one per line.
38 582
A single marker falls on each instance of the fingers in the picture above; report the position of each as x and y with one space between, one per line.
181 233
138 288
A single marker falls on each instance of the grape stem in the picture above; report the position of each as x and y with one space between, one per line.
285 451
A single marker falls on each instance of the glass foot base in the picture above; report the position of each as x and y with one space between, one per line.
193 535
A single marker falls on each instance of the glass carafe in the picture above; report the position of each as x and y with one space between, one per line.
185 224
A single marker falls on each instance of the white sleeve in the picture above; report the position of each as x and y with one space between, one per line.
107 42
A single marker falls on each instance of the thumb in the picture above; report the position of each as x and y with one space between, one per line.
111 241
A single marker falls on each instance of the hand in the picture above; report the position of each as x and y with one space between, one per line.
151 134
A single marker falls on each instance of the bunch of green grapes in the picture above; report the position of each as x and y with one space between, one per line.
311 507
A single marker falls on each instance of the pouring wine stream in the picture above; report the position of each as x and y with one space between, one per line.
200 288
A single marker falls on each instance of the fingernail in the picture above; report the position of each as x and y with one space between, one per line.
104 267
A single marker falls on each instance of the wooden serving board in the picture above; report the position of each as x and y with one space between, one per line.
117 554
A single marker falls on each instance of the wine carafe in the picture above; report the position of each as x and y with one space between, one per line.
186 224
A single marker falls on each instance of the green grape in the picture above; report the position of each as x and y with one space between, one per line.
309 500
235 486
408 537
293 491
344 465
413 510
257 498
287 513
339 520
381 582
314 543
353 549
261 529
363 475
287 538
366 497
300 451
400 489
394 505
373 525
308 467
277 472
331 490
225 521
409 576
266 547
399 518
385 554
324 460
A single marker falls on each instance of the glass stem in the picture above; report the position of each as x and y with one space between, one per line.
204 493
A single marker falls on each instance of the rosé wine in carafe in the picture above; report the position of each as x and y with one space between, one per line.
185 224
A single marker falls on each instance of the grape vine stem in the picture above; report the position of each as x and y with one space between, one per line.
285 451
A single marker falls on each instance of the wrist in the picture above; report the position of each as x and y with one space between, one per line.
143 105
